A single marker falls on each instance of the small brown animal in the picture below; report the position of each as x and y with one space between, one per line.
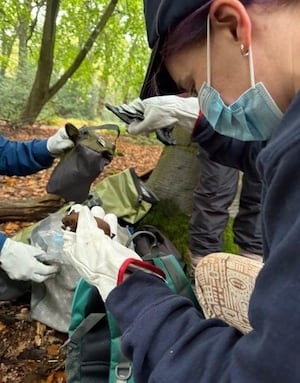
70 221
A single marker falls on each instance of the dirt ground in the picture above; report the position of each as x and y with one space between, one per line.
30 352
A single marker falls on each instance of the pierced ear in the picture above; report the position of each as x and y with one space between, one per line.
233 16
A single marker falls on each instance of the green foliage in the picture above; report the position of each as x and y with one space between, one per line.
113 70
70 101
13 93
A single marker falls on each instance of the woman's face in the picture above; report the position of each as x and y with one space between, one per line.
188 68
229 70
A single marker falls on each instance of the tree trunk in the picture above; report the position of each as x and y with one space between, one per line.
29 210
177 172
39 94
41 91
7 44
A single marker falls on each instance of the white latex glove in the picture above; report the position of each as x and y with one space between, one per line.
100 260
19 261
59 142
164 111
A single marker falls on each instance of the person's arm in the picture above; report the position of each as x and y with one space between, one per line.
3 237
164 335
227 151
168 343
174 111
21 158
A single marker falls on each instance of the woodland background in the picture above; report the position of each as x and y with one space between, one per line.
62 60
67 58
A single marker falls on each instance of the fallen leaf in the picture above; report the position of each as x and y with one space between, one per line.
56 377
2 326
53 349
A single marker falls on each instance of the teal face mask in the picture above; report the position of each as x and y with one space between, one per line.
252 117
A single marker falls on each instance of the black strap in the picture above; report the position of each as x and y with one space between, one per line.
85 326
137 233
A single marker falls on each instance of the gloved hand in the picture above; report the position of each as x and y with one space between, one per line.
100 260
59 142
20 262
163 111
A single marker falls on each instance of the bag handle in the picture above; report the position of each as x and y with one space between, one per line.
141 232
144 194
74 132
102 127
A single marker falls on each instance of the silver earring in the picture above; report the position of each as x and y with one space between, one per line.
244 52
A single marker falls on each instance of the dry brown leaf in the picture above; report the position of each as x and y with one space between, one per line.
11 226
53 349
40 328
21 347
56 377
38 340
10 181
2 326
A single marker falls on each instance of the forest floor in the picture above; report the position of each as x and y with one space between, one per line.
29 350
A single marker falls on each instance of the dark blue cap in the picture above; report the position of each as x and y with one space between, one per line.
160 17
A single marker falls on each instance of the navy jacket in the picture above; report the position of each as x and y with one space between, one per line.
225 150
169 342
21 158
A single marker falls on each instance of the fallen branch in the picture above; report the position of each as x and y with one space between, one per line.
30 210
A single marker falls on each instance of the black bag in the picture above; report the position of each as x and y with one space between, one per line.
150 242
79 167
93 348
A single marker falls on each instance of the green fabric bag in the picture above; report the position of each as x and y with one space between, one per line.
125 195
80 166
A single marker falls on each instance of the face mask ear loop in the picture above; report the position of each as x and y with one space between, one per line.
208 61
251 68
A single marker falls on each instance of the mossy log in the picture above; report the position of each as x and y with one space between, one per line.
30 209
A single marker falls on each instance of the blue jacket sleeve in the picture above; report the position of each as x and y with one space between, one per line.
21 158
164 335
2 240
169 342
225 150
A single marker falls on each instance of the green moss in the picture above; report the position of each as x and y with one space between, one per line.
229 246
172 222
175 225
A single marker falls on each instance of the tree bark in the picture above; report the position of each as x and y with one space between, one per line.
177 172
30 210
39 94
